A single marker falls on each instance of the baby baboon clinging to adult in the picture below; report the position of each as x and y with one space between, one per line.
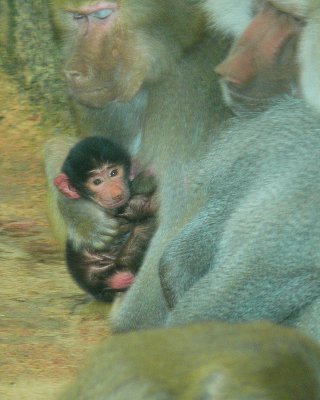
102 171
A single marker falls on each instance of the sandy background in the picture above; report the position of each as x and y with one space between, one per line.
45 331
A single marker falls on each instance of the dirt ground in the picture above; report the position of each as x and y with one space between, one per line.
44 332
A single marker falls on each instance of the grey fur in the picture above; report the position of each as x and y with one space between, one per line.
252 251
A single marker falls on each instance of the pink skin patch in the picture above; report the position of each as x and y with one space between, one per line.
89 9
136 170
121 280
62 183
258 46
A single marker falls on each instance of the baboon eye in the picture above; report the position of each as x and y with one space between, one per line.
102 14
114 172
97 182
78 16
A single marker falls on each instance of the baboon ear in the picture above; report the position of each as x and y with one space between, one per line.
62 182
136 170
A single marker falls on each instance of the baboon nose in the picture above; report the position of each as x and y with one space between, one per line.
118 197
73 76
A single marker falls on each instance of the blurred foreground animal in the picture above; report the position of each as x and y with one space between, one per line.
203 362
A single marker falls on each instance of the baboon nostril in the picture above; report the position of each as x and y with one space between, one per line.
73 75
